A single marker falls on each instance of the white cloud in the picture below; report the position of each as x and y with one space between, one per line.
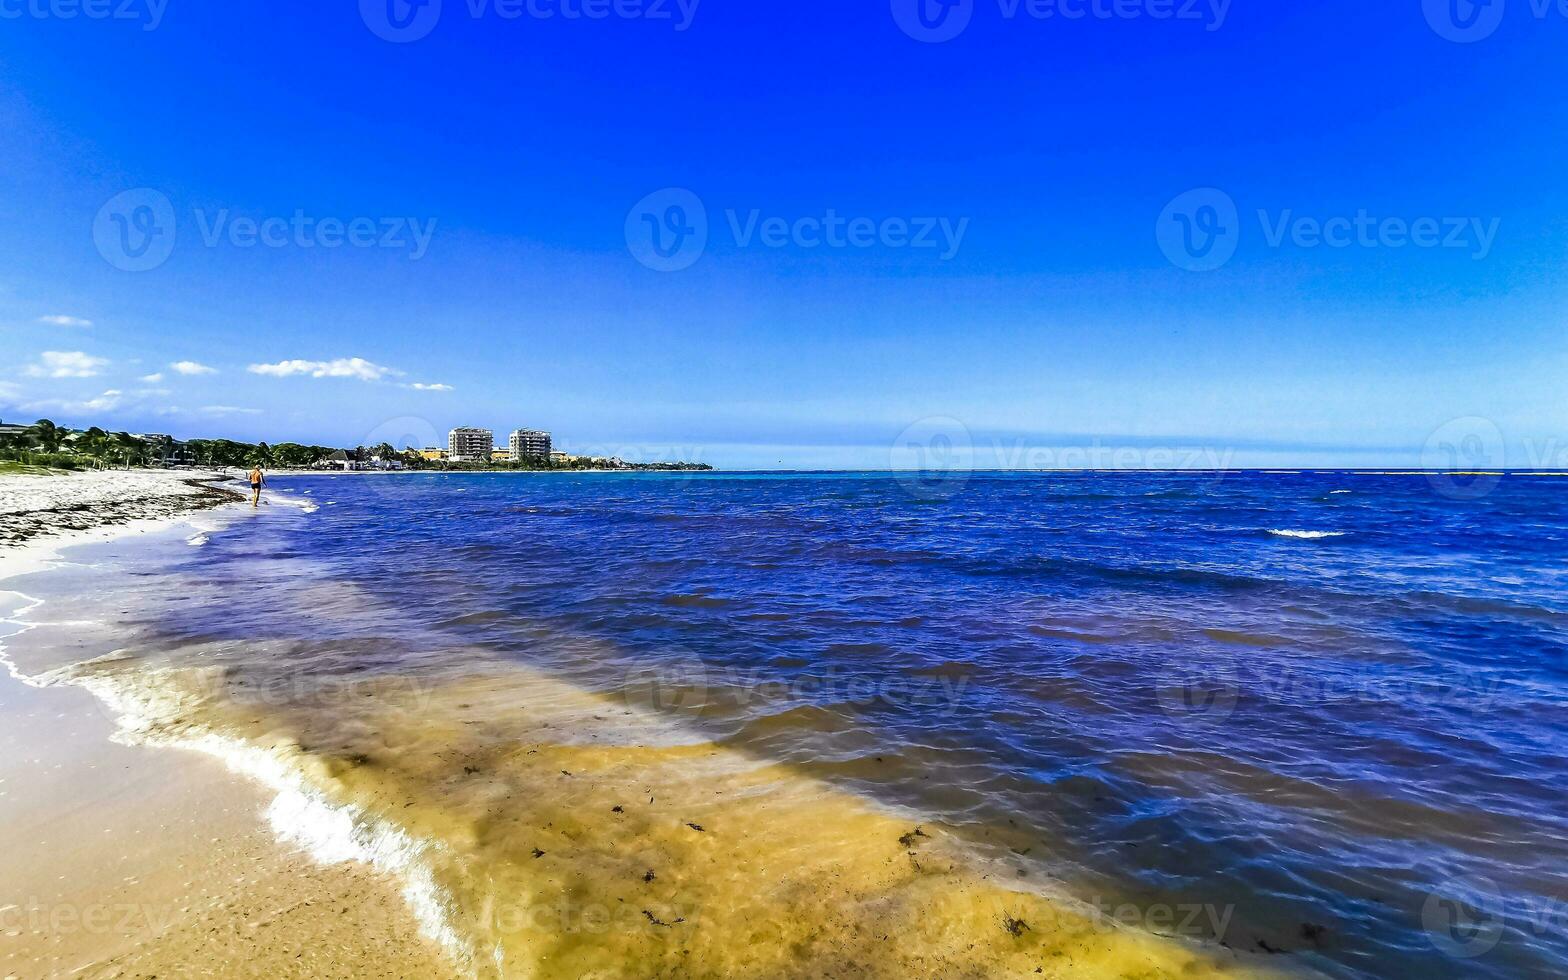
228 410
417 386
106 402
152 379
66 364
342 367
191 367
60 320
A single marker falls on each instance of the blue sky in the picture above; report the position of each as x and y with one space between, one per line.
1017 289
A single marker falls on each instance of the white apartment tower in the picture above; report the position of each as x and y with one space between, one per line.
530 444
470 444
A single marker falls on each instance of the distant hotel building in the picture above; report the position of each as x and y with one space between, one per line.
470 445
530 444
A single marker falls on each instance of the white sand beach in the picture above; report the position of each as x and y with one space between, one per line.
60 504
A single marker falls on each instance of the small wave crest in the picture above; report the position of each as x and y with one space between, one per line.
1306 535
150 713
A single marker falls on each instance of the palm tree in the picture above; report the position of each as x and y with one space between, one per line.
94 443
46 435
132 448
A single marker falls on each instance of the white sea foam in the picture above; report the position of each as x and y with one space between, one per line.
289 500
1307 535
148 711
197 540
300 813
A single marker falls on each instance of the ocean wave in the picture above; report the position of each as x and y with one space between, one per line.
1306 535
198 539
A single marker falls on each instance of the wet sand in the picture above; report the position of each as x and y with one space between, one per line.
548 832
126 861
131 862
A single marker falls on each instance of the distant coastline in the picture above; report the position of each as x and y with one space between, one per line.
47 445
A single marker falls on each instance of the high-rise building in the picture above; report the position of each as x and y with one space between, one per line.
530 444
470 445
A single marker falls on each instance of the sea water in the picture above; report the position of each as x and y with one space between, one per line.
883 724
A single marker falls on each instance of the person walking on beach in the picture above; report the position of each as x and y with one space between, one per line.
256 481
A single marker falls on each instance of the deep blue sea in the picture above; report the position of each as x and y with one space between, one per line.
1323 717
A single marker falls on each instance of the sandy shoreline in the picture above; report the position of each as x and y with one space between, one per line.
59 506
129 861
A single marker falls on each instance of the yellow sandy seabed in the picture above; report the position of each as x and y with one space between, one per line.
543 831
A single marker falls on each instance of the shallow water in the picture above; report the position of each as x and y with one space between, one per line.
1147 723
